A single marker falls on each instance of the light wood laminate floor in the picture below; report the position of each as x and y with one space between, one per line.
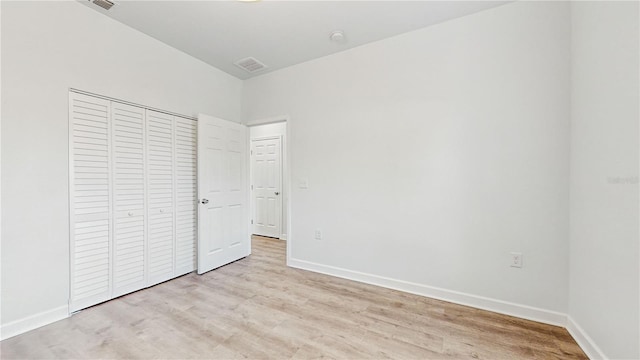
258 308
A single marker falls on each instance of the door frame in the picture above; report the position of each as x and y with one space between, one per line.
286 174
282 187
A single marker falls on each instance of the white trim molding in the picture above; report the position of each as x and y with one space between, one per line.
480 302
269 120
32 322
584 340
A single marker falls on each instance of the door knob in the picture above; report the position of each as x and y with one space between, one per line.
277 193
205 201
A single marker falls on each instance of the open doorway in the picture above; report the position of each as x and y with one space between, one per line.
268 179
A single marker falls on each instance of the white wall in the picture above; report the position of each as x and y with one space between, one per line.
603 298
432 155
48 47
277 129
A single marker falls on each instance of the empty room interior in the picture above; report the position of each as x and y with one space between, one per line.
320 179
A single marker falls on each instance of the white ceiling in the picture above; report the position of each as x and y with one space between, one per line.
279 33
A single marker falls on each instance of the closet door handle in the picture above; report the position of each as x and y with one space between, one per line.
277 193
205 201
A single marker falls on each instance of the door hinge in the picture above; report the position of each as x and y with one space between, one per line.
252 221
251 187
251 152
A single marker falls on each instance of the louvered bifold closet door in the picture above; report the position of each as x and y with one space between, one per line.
129 245
160 190
89 204
186 190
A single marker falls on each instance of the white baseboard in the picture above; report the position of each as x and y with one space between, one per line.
584 340
283 237
32 322
480 302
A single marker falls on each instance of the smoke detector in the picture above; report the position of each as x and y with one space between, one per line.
337 36
250 65
105 4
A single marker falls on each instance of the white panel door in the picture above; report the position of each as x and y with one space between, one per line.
129 243
160 196
266 186
223 224
186 195
90 203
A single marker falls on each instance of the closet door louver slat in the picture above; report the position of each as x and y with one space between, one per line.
160 180
129 245
186 198
132 186
90 206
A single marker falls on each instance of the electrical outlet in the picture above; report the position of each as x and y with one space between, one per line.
516 259
318 235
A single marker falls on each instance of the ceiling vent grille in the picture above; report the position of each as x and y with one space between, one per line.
105 4
250 65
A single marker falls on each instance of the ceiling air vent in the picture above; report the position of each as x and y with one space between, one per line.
250 65
105 4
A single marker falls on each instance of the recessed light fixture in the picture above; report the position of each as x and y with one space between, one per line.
337 36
